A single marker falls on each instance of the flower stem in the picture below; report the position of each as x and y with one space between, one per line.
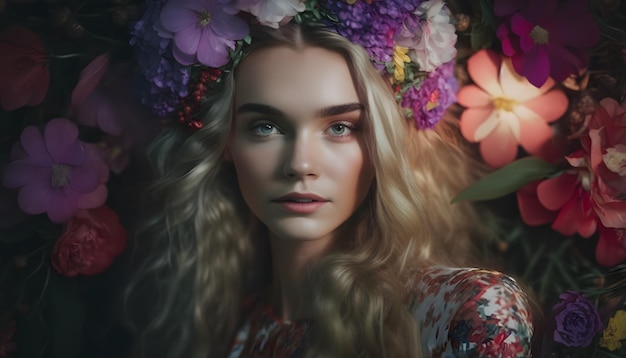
69 55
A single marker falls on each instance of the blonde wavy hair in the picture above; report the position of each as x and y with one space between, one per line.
200 241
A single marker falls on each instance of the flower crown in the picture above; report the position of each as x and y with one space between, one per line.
184 47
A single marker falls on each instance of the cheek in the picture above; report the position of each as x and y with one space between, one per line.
254 166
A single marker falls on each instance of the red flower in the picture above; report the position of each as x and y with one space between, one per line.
24 74
591 196
92 239
607 154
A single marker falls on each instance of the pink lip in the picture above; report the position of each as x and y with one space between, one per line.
288 203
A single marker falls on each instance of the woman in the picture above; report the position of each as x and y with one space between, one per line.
308 218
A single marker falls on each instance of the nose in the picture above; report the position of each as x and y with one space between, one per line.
302 157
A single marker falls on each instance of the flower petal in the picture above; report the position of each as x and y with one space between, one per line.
35 198
61 137
517 87
64 206
550 106
531 210
89 78
473 96
537 65
33 144
499 148
484 67
535 133
611 247
175 16
472 119
566 222
84 179
187 39
553 193
229 27
94 199
213 50
21 173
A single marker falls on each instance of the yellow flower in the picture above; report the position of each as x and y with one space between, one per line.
399 58
614 332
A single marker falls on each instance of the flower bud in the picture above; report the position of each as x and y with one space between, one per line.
461 22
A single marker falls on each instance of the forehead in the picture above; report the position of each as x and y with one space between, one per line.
297 81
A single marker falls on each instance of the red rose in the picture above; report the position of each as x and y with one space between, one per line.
92 239
24 74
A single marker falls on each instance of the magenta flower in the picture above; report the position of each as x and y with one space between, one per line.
55 172
548 38
203 30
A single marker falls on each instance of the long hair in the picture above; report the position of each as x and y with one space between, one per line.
196 249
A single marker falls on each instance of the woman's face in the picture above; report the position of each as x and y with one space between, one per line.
298 141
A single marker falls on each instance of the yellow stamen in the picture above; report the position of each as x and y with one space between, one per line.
204 18
503 103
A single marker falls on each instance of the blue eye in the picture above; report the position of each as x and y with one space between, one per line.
264 129
341 129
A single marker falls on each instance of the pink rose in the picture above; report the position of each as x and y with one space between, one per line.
92 239
607 152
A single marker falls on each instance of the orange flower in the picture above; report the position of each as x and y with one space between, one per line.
504 109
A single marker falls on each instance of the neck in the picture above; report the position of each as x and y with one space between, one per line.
291 290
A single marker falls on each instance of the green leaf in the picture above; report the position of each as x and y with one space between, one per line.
508 179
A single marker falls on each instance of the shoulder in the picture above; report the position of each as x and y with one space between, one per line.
470 312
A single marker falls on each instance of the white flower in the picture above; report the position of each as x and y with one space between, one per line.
429 34
271 12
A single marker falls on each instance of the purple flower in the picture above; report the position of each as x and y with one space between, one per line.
372 26
56 174
429 101
542 40
577 320
111 108
203 30
160 80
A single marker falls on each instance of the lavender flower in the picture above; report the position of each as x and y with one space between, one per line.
160 80
577 320
429 101
372 26
56 174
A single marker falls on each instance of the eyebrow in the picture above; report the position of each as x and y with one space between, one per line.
323 112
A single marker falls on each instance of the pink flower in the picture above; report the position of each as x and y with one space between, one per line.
607 152
203 30
429 35
56 174
504 109
24 74
271 12
547 37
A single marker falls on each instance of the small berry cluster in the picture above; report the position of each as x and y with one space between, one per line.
190 104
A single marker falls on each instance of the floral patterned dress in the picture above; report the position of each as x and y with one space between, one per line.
462 312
